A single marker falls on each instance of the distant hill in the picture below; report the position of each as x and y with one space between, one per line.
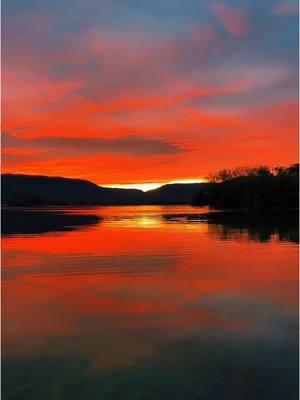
45 190
177 193
31 190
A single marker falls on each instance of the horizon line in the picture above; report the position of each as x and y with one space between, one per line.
145 187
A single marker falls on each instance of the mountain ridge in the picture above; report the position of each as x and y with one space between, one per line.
26 190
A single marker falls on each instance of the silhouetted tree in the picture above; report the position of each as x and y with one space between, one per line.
255 187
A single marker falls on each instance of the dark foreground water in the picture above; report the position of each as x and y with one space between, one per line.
122 303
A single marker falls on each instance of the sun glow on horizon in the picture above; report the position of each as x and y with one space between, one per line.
145 187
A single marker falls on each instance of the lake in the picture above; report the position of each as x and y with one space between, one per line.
150 303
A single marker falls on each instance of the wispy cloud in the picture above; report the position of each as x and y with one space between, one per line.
287 8
130 145
236 20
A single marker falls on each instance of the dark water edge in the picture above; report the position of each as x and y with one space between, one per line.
259 225
212 366
28 221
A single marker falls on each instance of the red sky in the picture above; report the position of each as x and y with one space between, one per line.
119 94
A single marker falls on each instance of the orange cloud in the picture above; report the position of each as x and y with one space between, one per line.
140 107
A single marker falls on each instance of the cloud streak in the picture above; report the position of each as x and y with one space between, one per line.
235 20
129 145
287 8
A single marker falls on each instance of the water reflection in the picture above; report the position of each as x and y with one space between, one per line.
144 306
272 225
38 221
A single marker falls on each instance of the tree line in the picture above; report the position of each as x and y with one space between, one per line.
253 187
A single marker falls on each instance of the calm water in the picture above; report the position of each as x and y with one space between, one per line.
121 303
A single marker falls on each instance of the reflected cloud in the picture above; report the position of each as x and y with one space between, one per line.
52 265
262 317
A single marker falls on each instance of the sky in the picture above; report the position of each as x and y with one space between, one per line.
133 92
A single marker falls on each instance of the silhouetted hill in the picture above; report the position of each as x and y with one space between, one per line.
30 190
177 193
42 190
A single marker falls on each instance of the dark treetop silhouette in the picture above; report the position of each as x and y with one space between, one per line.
253 188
